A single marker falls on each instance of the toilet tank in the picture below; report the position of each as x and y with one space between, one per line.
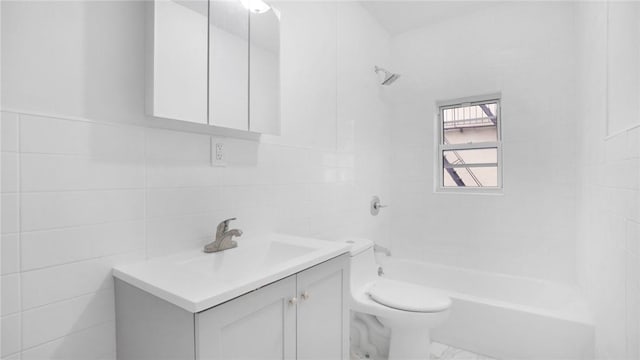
363 263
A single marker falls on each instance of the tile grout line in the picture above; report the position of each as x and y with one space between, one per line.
625 340
80 226
86 225
102 190
145 201
89 259
19 192
72 298
145 126
70 333
77 155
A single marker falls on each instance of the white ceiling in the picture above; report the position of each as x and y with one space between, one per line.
398 16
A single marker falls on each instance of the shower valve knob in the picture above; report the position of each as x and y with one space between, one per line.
293 301
375 206
305 296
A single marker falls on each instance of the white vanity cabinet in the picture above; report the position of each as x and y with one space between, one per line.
259 325
303 316
323 312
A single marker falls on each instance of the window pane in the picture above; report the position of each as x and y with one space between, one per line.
470 168
470 124
471 156
471 177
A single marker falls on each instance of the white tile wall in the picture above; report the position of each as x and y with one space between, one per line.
11 334
92 188
40 135
9 132
9 172
10 253
609 265
58 319
609 191
10 213
11 293
59 173
529 230
52 210
56 283
63 233
41 249
93 343
10 303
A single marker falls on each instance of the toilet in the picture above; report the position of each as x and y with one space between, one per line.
409 310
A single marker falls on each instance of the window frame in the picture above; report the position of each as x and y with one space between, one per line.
441 146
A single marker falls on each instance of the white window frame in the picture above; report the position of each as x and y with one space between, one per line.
441 146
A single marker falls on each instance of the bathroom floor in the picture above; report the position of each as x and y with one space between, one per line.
445 352
437 351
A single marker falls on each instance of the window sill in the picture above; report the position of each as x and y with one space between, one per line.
490 192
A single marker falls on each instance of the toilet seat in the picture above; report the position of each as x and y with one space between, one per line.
408 297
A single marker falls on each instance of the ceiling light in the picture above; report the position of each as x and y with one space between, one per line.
256 6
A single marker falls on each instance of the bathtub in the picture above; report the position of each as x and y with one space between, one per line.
503 316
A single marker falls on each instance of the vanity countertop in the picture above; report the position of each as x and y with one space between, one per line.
196 281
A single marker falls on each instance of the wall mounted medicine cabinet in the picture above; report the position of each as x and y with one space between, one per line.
214 62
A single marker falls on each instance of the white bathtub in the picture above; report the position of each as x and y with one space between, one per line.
502 316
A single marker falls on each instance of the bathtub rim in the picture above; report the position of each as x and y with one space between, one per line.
576 311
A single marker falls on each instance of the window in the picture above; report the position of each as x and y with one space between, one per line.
469 146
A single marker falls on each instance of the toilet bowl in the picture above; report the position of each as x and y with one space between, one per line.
409 310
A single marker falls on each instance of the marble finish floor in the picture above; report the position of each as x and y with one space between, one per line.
437 352
445 352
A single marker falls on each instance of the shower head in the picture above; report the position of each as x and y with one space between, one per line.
389 77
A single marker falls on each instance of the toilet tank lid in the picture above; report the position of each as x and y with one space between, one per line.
358 245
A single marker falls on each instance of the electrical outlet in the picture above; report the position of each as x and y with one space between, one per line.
219 152
219 158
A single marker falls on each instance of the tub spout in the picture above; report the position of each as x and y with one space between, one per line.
381 249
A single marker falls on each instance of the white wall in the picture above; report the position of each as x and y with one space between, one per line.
364 125
609 171
85 186
524 50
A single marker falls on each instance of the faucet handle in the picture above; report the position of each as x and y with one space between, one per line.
224 225
228 220
376 205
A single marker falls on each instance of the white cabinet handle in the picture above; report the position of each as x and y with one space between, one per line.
293 300
305 295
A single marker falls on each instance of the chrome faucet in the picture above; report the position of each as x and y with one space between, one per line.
224 237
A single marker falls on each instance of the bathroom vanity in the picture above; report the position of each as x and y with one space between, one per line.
276 297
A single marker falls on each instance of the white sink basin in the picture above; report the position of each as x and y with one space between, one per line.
196 281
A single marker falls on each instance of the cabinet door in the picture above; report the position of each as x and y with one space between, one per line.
323 311
228 64
258 325
264 72
176 50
